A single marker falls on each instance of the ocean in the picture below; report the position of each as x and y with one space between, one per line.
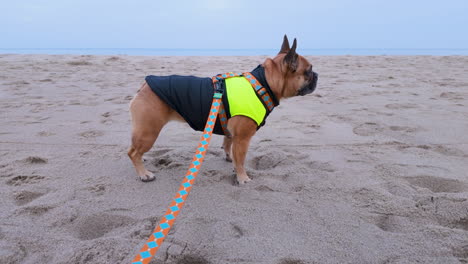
228 52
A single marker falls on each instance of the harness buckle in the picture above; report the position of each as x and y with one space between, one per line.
219 85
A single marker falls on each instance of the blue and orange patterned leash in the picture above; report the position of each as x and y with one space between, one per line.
162 229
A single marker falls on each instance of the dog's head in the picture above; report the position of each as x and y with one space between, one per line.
289 73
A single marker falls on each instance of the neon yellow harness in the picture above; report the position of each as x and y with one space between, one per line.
254 102
243 100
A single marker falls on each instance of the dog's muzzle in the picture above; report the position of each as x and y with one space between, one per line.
310 87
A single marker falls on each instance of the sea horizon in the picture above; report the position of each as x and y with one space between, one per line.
236 52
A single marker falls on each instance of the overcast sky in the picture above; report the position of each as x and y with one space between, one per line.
226 24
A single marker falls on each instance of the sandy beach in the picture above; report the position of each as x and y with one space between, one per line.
370 168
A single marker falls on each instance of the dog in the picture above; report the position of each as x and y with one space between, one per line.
188 99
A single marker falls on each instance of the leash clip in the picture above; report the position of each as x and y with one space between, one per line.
219 85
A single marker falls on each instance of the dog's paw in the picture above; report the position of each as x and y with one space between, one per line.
243 180
228 158
149 176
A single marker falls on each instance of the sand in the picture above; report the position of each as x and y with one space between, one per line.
371 168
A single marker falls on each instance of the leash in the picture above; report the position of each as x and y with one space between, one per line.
162 229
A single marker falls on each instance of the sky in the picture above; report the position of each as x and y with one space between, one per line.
240 24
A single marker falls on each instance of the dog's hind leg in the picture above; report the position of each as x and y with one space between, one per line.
149 115
227 143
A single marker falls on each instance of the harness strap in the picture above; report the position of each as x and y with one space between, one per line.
261 91
162 229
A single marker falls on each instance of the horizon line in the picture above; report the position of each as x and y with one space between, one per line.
10 48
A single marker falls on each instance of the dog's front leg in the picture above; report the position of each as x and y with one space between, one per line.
242 129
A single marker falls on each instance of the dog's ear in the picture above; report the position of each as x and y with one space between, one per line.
285 46
291 58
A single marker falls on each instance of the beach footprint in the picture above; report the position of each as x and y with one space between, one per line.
98 189
445 150
192 259
107 120
25 197
291 261
167 162
45 134
25 180
461 223
390 222
79 63
173 250
461 253
109 250
35 160
216 176
12 252
98 225
449 151
35 211
454 96
264 188
271 160
321 166
438 184
444 211
91 134
401 106
404 129
368 129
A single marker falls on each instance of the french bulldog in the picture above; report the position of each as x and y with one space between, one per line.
188 99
